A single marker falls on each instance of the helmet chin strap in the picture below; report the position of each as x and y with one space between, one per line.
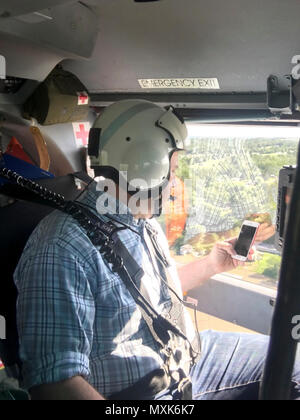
158 204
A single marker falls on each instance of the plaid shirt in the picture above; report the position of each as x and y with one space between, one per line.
75 316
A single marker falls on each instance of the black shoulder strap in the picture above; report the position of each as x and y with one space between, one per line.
177 310
131 274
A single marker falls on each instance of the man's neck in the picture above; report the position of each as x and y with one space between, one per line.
140 209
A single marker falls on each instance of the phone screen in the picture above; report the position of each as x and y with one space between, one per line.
244 242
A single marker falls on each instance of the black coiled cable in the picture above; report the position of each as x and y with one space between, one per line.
54 199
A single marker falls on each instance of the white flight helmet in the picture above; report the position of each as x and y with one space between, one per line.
135 139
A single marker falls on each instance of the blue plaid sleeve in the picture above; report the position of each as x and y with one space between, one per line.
55 312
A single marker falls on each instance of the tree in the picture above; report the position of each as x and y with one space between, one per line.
269 265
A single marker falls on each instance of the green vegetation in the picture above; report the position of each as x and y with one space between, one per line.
231 180
269 155
269 265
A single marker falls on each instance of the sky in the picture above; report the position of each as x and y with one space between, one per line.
208 130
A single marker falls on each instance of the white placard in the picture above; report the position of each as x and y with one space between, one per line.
189 83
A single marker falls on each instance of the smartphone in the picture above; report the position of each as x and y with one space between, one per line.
246 240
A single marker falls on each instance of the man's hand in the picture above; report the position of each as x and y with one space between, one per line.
218 261
221 255
265 231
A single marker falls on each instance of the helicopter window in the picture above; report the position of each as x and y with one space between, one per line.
227 175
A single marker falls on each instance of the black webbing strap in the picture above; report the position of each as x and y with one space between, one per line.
176 312
146 388
131 274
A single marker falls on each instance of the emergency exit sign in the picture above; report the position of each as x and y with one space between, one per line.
189 83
